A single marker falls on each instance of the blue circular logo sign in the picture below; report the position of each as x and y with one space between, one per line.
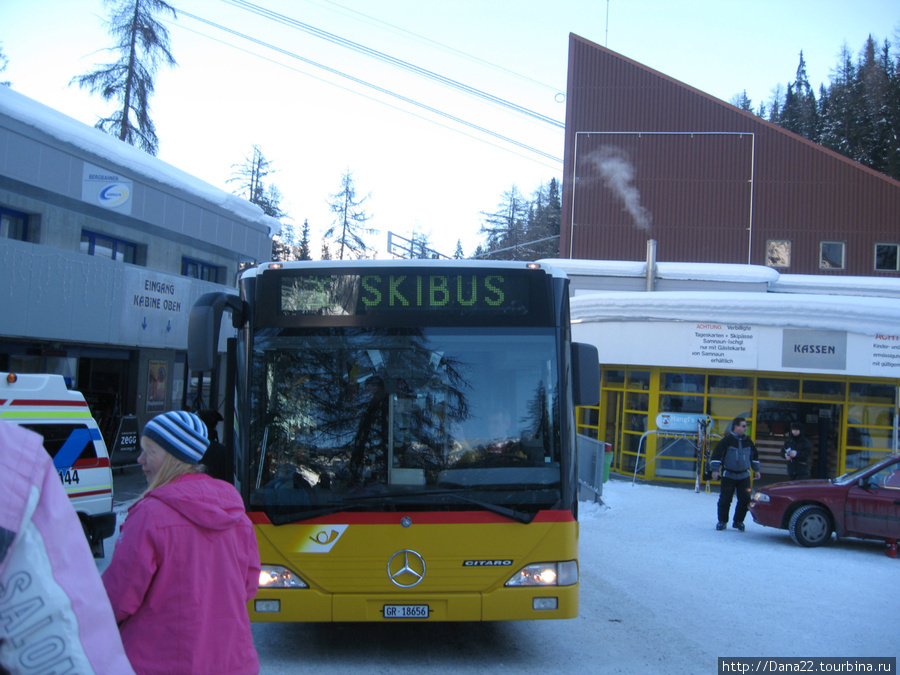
112 195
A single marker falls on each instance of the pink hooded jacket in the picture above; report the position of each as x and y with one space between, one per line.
184 567
53 614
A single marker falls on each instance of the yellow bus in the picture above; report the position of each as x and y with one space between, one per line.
404 437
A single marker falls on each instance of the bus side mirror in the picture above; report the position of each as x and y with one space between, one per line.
585 374
203 327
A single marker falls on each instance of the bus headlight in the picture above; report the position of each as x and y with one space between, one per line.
546 574
276 576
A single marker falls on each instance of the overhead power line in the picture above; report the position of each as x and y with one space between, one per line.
406 111
382 90
368 18
396 62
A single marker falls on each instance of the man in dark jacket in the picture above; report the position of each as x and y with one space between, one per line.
734 457
796 451
216 457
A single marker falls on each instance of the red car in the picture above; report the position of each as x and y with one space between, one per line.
864 504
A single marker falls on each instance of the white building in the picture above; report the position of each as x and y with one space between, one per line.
738 340
103 251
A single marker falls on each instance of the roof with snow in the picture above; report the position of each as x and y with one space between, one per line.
133 160
863 305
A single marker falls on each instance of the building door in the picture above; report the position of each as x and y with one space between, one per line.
822 426
105 384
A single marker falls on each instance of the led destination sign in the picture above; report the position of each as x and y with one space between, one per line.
355 294
434 291
414 296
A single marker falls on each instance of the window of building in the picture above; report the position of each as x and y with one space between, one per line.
887 257
853 419
778 252
823 390
777 387
13 224
831 255
200 270
105 246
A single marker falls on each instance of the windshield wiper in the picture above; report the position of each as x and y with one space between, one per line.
307 514
519 516
514 514
353 502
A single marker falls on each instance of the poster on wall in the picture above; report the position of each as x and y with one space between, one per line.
157 381
886 355
722 345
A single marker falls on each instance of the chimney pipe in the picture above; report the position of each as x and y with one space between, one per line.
651 265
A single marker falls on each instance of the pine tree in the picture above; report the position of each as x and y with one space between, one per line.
857 115
142 43
775 105
799 111
250 176
522 229
303 252
807 109
891 106
505 228
348 227
874 93
542 231
838 107
790 111
742 101
421 246
3 63
458 253
252 186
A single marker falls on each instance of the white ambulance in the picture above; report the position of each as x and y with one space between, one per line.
43 404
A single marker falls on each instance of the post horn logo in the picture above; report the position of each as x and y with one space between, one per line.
406 568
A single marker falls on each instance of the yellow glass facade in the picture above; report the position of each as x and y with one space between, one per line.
848 420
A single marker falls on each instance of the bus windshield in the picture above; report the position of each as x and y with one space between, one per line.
375 418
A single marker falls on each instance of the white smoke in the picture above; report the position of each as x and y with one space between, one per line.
617 173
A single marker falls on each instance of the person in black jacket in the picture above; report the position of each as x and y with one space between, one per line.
734 456
796 451
215 460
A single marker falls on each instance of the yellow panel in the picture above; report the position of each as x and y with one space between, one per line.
466 567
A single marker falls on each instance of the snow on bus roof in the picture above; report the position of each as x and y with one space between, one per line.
131 159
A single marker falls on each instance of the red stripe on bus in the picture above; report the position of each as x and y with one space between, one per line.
43 403
90 493
419 517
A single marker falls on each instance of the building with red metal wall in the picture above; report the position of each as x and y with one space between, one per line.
648 157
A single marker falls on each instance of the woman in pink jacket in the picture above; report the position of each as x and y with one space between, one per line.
186 562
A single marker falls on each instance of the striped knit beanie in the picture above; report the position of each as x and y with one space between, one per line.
179 433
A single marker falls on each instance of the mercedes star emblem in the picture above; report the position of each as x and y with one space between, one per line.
406 568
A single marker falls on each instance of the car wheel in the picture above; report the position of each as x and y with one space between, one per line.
810 526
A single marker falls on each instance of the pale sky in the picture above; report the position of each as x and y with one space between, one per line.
424 170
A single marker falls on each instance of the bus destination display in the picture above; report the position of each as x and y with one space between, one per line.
355 294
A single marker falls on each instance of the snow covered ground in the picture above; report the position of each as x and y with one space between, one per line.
661 592
651 555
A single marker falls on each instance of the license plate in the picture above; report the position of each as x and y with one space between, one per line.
406 611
